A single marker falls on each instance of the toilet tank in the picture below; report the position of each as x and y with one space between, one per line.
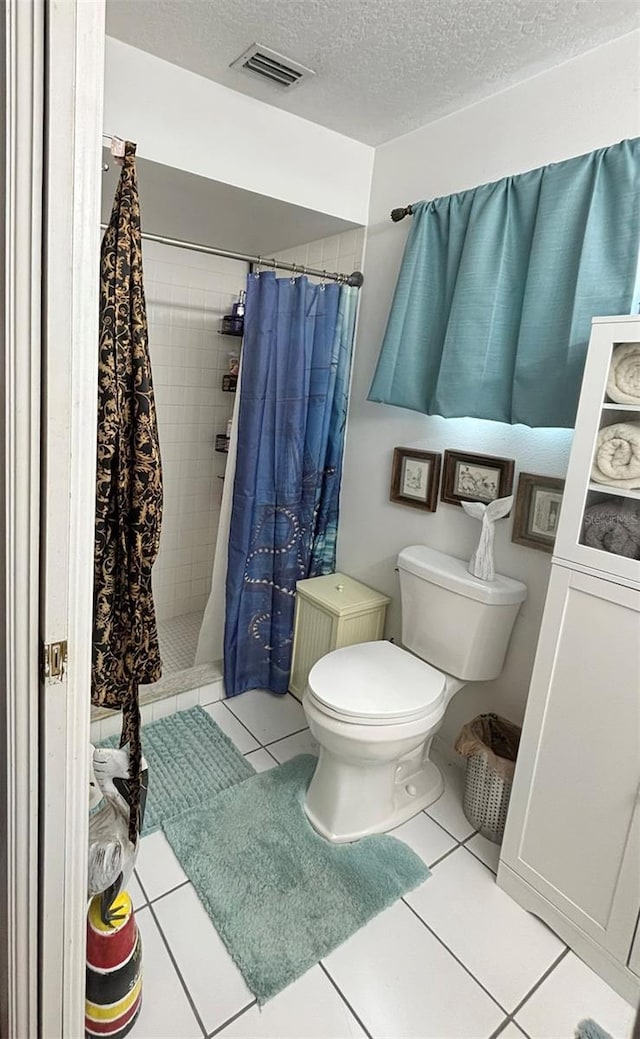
455 621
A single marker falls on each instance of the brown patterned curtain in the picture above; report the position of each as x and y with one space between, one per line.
128 482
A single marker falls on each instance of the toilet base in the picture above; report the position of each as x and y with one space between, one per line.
414 789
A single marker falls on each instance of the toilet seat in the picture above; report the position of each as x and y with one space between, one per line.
376 683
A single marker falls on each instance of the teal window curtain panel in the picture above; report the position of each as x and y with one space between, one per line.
492 311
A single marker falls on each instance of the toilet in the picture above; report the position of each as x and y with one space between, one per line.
374 707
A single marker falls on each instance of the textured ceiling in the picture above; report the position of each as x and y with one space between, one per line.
383 67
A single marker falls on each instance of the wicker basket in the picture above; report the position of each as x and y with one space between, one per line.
486 797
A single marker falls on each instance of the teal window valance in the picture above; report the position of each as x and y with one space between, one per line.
492 310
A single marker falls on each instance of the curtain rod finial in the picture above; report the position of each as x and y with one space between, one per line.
356 279
400 214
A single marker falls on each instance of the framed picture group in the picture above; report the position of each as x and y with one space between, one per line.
467 476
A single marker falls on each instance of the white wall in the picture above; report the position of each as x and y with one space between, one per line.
180 119
584 104
187 294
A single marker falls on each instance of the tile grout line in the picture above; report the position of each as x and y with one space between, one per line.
456 958
510 1020
240 722
445 855
172 958
297 732
534 988
250 752
460 840
477 857
261 745
178 972
233 1018
344 999
183 883
481 861
500 1029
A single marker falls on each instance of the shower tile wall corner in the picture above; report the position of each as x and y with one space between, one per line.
341 252
187 294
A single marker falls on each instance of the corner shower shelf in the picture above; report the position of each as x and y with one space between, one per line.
229 383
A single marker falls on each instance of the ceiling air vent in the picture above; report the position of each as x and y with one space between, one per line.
268 64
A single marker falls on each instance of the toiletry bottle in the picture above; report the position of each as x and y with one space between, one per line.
238 308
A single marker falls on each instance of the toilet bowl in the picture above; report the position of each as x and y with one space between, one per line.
373 771
375 707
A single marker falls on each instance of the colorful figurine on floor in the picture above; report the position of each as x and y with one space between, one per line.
112 856
114 951
114 971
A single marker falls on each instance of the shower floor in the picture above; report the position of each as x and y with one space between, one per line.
178 638
179 641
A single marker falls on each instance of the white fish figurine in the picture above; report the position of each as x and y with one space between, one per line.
481 564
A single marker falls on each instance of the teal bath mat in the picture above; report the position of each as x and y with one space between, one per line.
589 1029
190 761
281 896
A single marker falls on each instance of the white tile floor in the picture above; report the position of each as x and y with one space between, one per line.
456 958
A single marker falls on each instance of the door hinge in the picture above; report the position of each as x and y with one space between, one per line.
54 661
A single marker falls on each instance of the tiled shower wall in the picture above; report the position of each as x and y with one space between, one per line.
341 252
187 294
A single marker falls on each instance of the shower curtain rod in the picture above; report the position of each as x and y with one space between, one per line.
356 278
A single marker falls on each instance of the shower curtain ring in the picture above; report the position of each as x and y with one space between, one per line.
323 281
292 279
256 272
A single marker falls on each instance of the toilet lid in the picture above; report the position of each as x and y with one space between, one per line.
377 681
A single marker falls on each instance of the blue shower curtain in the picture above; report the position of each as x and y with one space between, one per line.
294 389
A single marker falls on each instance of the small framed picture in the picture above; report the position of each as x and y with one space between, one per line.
415 476
537 511
468 477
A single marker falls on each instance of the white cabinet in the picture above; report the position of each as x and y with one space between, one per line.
331 612
573 830
571 849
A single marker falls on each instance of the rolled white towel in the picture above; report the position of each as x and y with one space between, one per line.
617 456
623 383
